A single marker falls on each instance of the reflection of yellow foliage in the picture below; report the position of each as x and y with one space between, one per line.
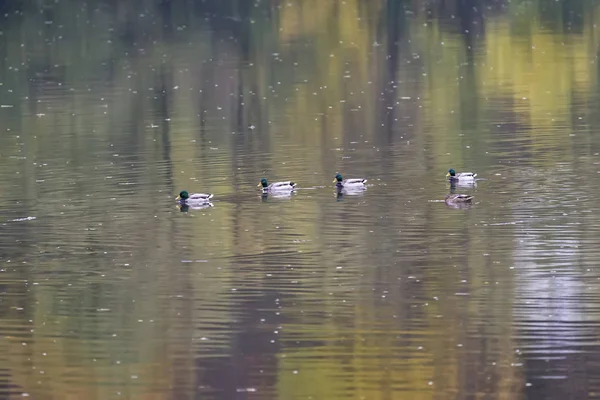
524 78
538 71
44 370
340 20
342 34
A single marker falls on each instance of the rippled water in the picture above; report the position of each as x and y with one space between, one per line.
109 290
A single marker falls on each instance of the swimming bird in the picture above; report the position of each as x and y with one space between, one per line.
276 186
461 176
349 183
194 198
458 198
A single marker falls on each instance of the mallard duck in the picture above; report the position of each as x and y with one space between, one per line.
194 198
276 186
461 176
350 184
458 198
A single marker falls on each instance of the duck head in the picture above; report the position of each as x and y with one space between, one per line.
183 196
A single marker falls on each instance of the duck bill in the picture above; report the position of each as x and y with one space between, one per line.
259 185
178 198
448 174
335 180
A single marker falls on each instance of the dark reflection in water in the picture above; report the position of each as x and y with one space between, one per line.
108 289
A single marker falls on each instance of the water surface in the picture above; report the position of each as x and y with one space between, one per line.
109 290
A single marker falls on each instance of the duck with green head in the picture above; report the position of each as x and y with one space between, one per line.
276 186
355 183
461 176
193 198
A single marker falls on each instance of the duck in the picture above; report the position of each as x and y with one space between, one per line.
458 198
193 198
276 186
461 176
356 183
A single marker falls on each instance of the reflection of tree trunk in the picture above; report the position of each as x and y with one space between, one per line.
7 387
235 164
180 312
469 105
468 16
251 351
394 26
163 111
167 17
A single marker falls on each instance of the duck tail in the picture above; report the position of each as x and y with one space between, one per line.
293 184
210 196
364 181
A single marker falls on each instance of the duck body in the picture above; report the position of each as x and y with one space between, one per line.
349 184
458 198
470 184
277 186
267 195
460 176
193 198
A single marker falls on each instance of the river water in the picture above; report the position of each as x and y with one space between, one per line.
109 290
